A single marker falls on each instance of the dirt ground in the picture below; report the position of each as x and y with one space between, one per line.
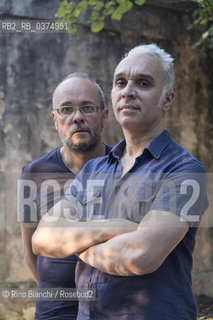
205 308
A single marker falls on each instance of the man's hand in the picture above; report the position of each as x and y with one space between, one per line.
59 237
141 251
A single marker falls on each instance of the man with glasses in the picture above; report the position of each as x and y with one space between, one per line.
79 114
146 178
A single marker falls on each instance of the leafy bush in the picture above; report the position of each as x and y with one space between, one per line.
203 16
70 11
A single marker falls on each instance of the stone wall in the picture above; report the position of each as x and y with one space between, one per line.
31 65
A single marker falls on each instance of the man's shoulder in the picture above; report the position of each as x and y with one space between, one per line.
182 158
43 163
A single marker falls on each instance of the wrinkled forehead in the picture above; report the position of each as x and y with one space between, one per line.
77 89
139 64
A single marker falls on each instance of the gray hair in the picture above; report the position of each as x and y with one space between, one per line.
81 75
165 58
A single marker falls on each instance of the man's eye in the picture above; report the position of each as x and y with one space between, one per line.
121 82
66 110
143 83
88 109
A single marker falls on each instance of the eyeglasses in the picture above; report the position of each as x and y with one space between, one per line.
87 110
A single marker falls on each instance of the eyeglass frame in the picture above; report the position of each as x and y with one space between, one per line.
78 108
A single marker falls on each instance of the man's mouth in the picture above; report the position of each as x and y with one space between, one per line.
79 131
129 107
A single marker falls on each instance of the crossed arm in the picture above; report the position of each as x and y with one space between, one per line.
141 251
115 246
59 237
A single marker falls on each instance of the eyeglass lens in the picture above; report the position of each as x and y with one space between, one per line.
69 110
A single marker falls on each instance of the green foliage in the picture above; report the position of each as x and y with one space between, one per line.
124 6
70 11
97 26
139 2
99 10
203 16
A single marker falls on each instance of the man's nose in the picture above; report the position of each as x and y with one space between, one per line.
78 116
128 91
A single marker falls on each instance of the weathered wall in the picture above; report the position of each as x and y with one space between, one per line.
31 65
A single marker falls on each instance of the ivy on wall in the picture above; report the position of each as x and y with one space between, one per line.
203 16
69 11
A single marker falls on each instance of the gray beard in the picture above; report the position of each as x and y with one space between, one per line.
84 146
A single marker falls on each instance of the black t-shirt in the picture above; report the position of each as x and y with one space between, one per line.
43 183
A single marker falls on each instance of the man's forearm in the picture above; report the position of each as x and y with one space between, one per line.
141 251
64 237
114 256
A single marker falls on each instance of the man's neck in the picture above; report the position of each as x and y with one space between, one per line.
137 141
76 160
135 145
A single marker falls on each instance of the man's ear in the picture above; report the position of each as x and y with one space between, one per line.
54 119
168 100
105 116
